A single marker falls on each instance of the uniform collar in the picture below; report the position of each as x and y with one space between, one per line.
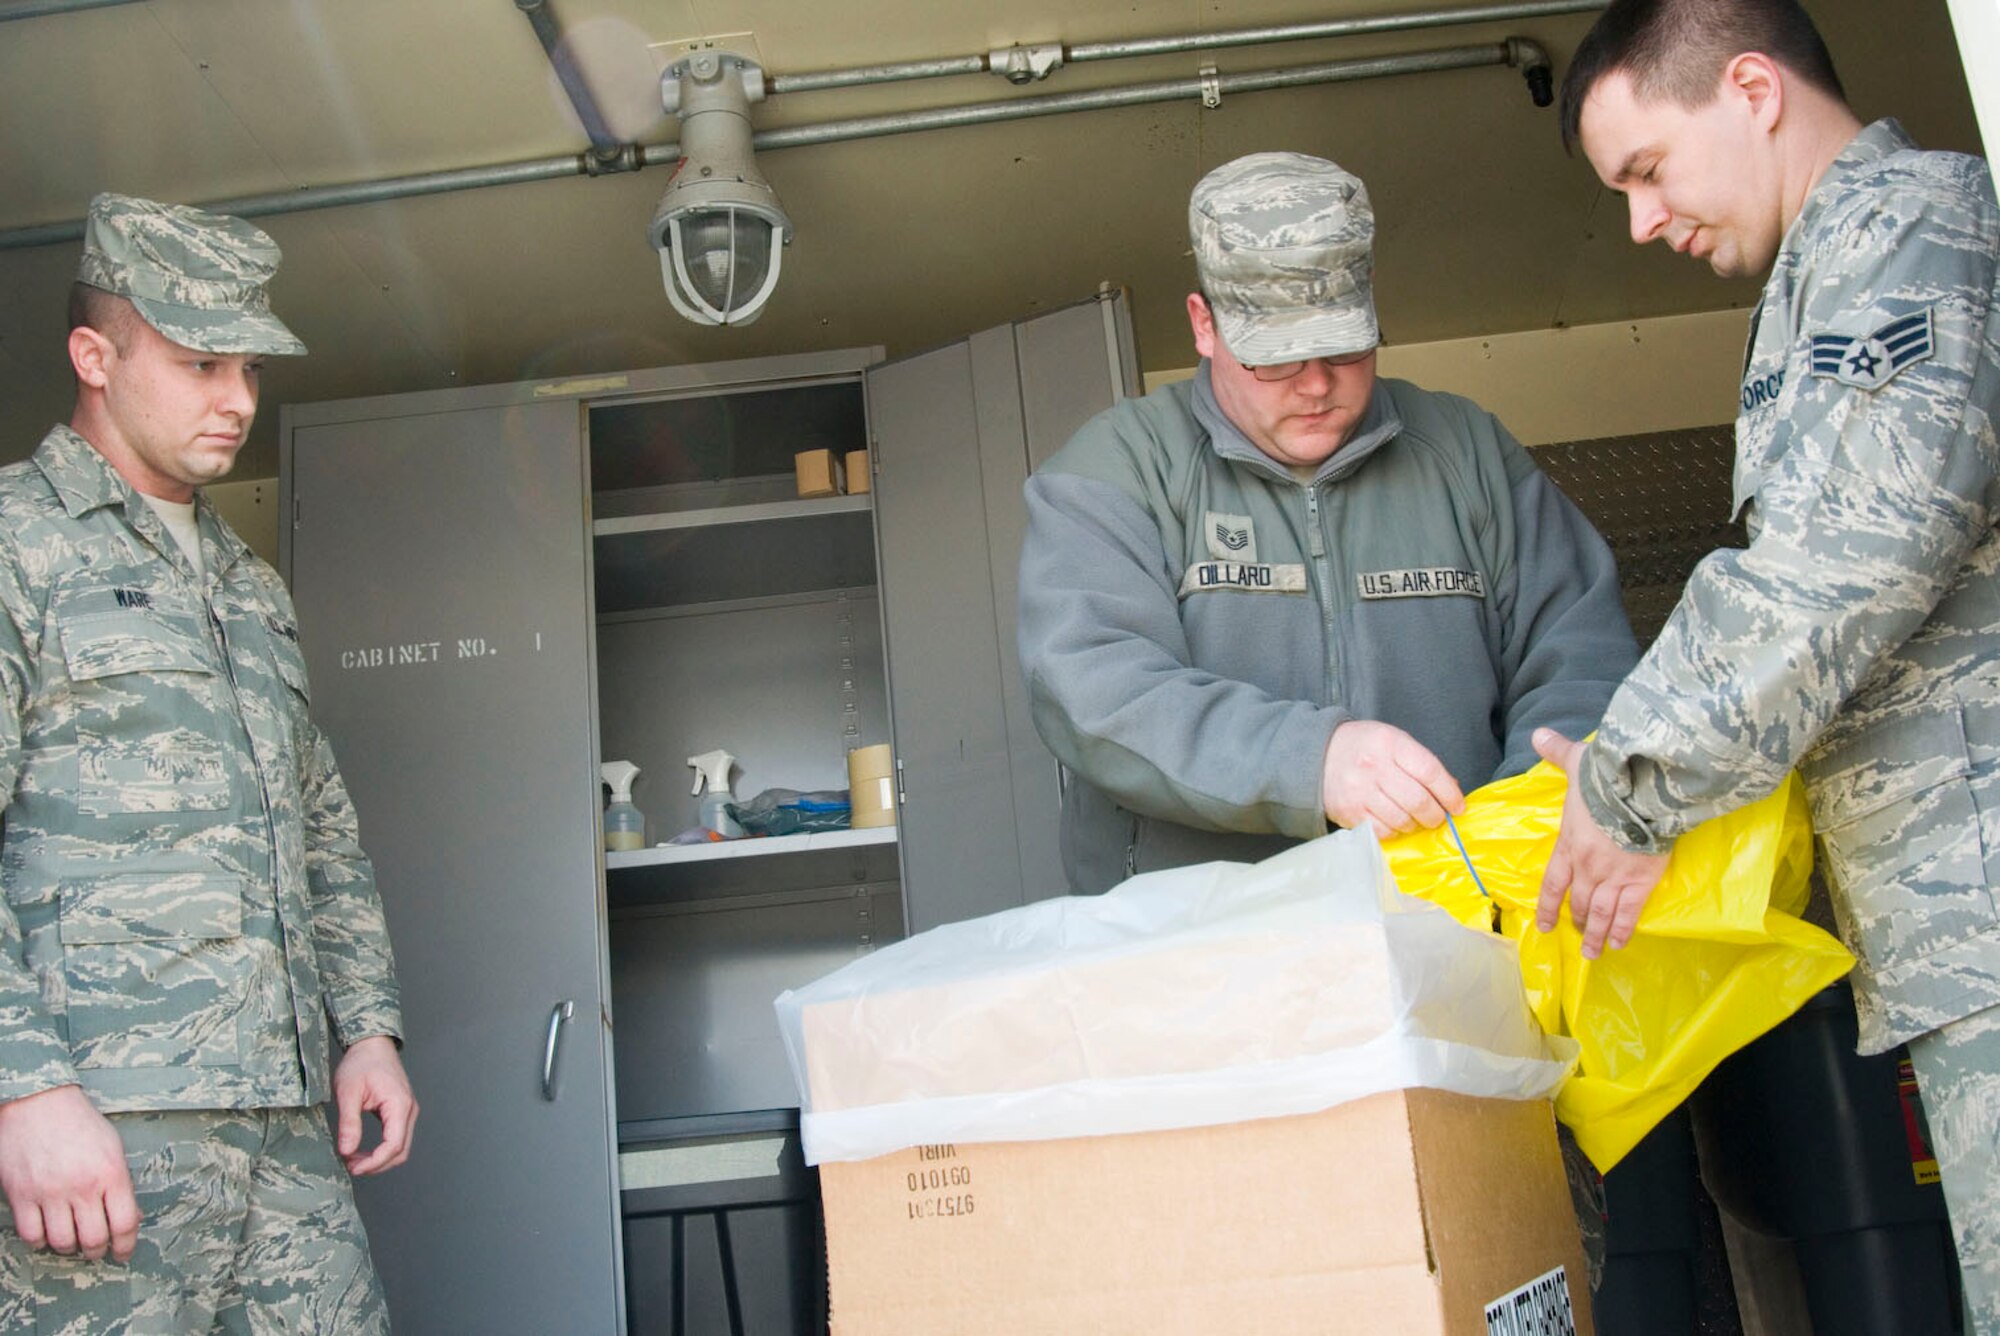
83 478
1378 426
1874 143
85 481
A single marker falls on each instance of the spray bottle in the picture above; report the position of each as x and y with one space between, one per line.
624 824
712 768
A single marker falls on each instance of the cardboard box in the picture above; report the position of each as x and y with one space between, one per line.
1412 1213
857 472
820 473
871 788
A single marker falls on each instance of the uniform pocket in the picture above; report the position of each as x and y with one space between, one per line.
156 969
109 644
1900 833
177 770
143 692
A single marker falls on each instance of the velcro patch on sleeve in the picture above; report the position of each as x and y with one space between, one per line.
1870 361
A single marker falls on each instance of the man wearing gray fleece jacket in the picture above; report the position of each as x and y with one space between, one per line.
1287 594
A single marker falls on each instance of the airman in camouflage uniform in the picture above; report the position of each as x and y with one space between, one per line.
1858 636
186 904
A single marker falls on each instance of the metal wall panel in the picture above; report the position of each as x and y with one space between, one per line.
440 570
1662 501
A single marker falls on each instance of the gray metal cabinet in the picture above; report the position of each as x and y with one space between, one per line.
439 559
956 432
501 587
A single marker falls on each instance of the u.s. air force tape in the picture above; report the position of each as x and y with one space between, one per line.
1436 582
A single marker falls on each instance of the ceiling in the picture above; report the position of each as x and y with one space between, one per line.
905 241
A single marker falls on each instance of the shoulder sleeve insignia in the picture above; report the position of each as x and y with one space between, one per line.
1869 362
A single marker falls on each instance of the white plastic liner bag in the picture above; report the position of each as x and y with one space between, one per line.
1185 998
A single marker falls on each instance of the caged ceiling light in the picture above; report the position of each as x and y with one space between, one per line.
719 228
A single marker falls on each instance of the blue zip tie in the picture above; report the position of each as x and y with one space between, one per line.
1453 827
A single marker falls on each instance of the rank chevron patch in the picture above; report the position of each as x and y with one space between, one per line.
1870 361
1230 537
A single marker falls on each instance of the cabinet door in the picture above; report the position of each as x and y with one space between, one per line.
956 432
1071 365
439 565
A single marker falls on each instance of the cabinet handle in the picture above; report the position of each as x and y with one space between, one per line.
558 1014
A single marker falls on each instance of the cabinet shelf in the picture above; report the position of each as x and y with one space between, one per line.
719 554
755 513
812 842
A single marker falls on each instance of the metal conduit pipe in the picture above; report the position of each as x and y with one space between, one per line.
1514 51
1532 59
1023 63
307 198
1052 104
875 74
605 147
1300 32
34 9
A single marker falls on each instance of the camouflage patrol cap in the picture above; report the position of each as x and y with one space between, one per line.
197 277
1284 244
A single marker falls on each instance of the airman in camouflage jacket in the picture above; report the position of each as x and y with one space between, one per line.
1858 636
185 900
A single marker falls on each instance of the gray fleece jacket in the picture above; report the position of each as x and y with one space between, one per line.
1196 621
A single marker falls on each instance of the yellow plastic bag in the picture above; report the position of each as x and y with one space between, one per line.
1719 957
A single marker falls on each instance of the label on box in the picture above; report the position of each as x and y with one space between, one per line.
939 1184
1538 1308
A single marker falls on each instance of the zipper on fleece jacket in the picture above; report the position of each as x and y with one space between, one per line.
1322 561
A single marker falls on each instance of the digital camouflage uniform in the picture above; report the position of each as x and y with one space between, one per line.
186 904
248 1227
1858 637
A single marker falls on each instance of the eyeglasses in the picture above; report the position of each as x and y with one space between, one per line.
1286 370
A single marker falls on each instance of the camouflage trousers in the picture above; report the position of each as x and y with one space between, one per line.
247 1226
1958 1075
1586 1197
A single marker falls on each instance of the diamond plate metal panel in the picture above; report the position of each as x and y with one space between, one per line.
1662 501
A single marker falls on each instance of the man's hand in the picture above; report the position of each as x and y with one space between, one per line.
1607 885
62 1168
370 1079
1377 773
